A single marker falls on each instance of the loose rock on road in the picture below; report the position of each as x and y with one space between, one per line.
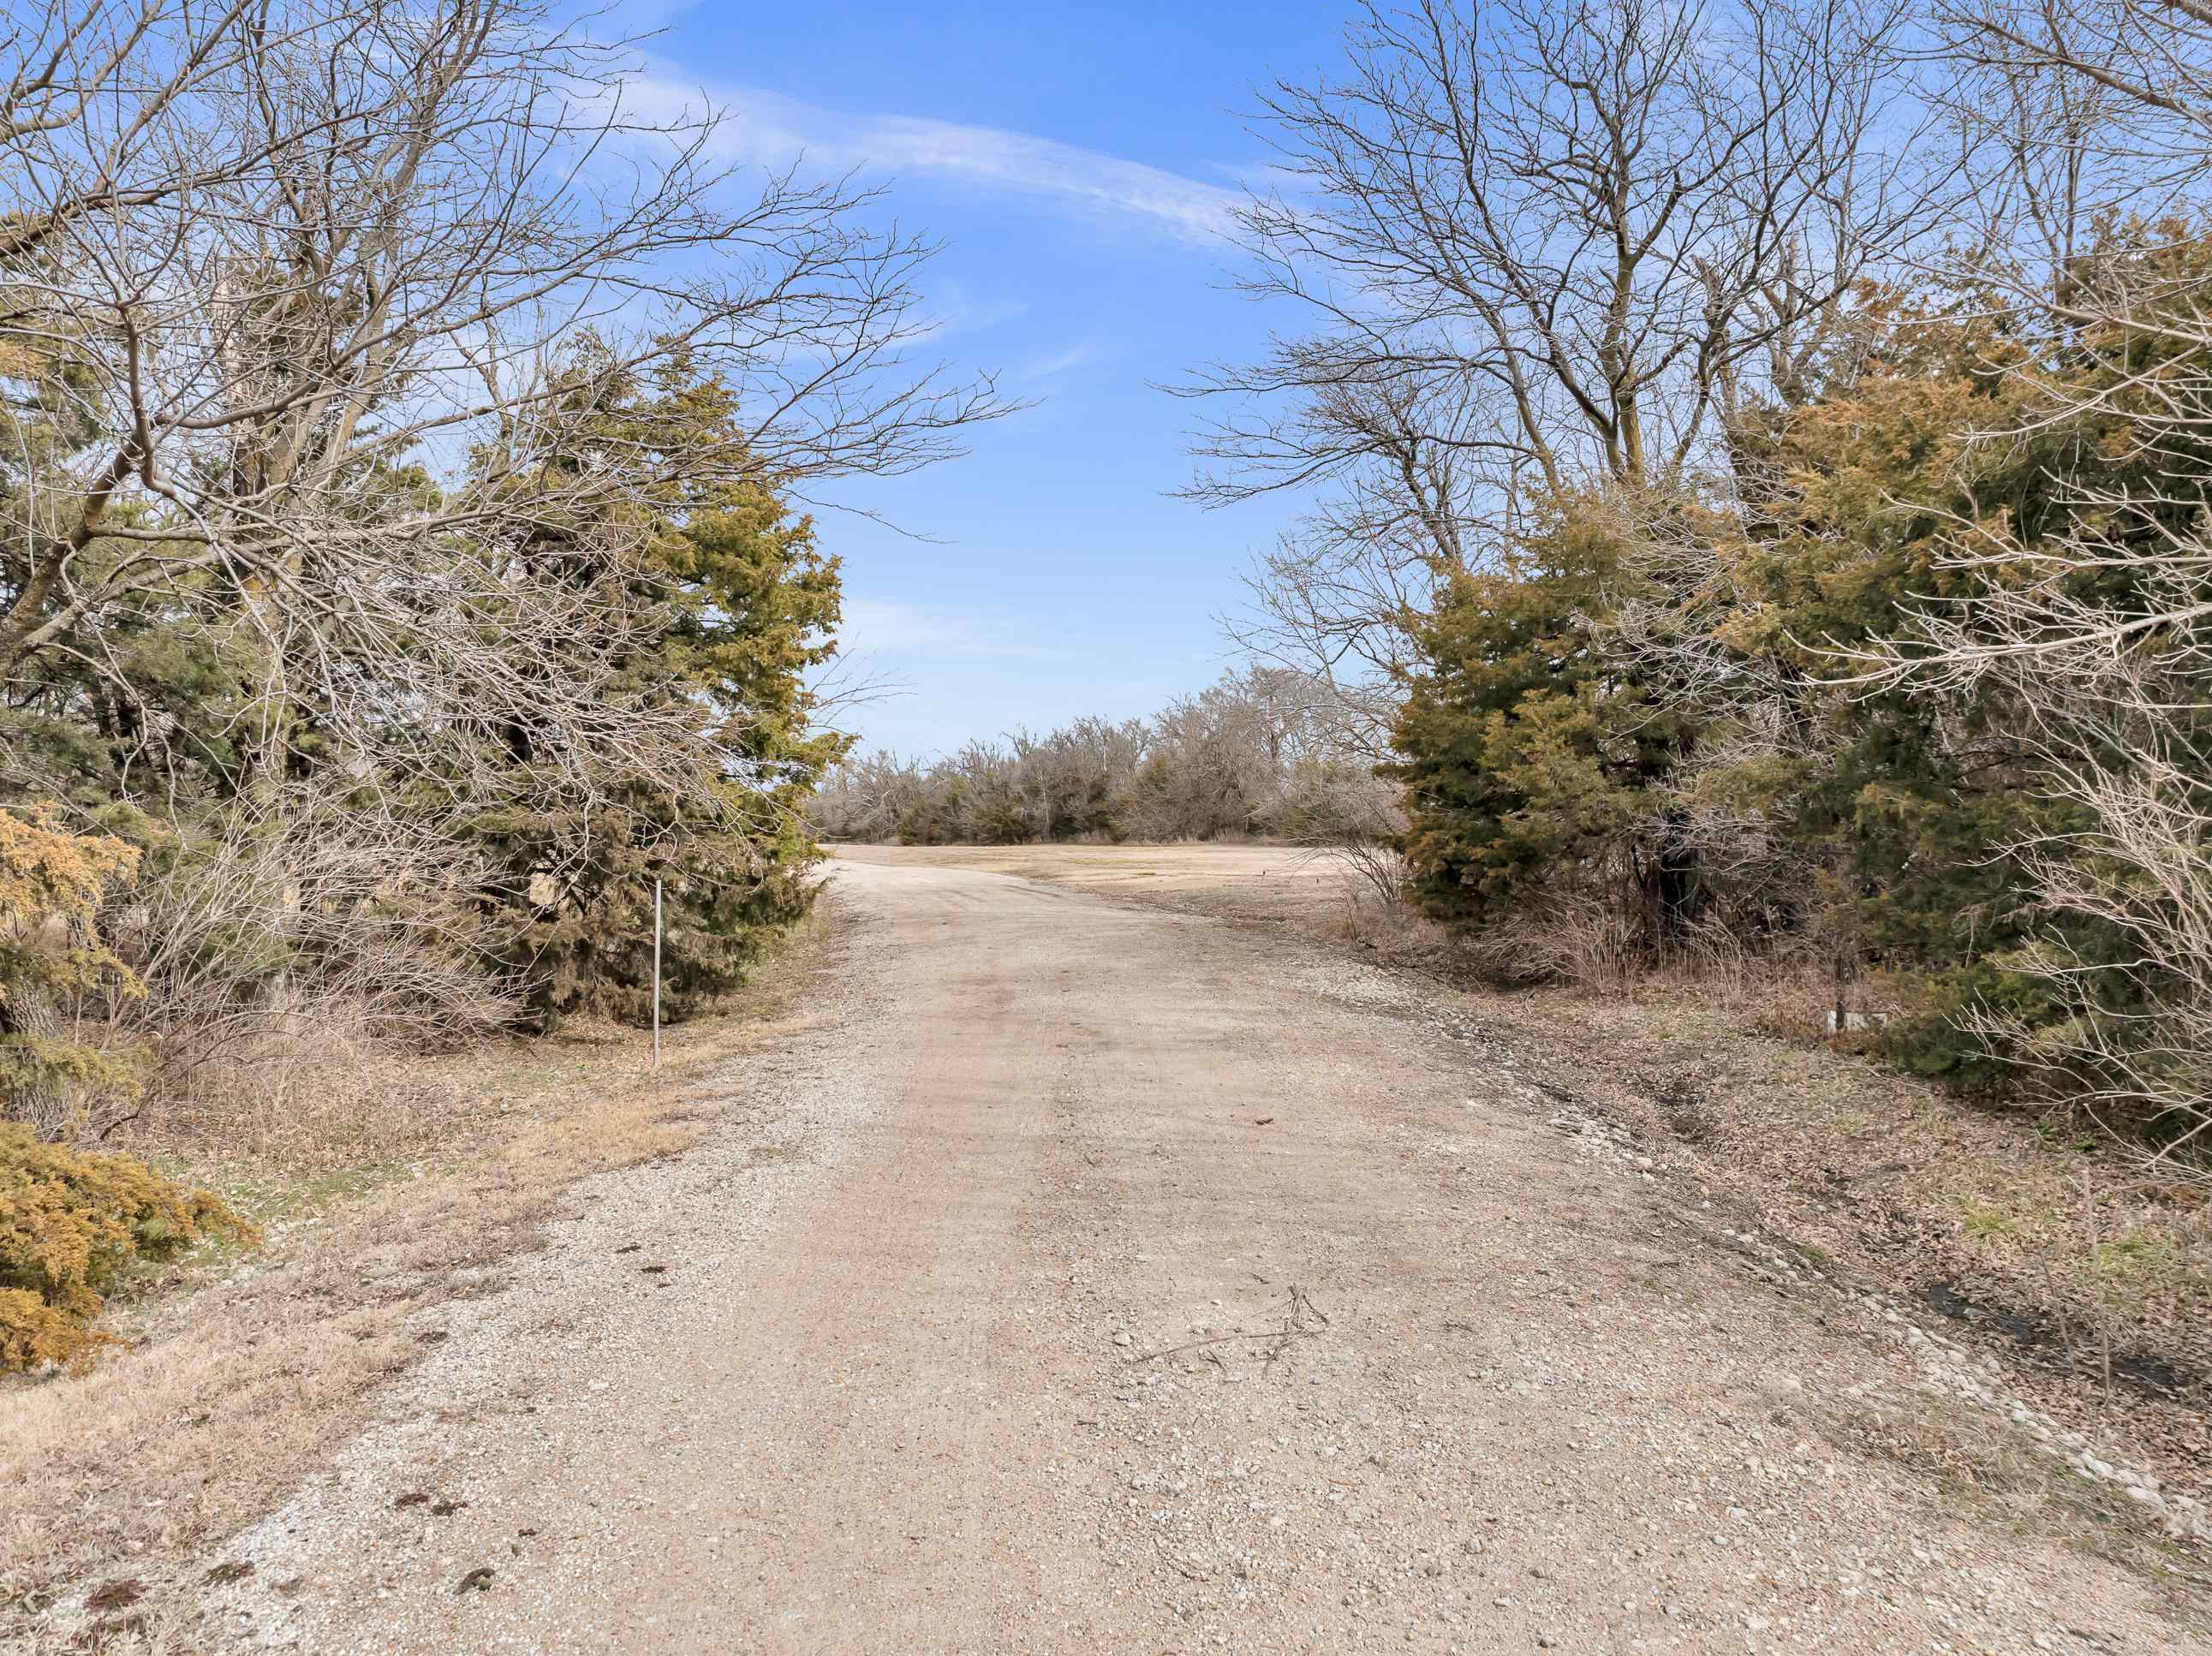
1101 1278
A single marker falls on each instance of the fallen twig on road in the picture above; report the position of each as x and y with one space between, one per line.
1223 1339
1292 1329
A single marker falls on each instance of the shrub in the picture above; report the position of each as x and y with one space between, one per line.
51 884
1339 808
71 1223
1533 771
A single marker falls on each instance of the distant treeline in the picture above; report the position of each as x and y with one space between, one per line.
1264 751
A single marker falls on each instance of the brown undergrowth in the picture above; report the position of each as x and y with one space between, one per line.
2028 1231
236 1377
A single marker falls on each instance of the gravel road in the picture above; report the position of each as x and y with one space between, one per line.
1095 1278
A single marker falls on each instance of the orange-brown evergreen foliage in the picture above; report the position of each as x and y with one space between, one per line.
71 1223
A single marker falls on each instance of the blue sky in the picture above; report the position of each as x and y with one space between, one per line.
1077 161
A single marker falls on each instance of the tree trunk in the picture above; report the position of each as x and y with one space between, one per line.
30 1092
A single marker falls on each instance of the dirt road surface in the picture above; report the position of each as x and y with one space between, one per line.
1102 1278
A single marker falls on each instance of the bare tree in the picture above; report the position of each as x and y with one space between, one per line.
1246 755
1544 245
309 314
2150 56
868 797
2095 120
292 249
2133 1042
1334 601
1070 779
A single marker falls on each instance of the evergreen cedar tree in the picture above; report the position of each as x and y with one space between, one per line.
1537 762
53 883
72 1222
750 603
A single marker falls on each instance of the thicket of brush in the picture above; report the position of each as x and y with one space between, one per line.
399 564
1770 441
1265 751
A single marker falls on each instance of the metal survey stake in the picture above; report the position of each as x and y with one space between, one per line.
656 975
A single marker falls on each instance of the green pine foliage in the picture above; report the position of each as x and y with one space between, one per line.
151 739
1530 764
748 604
1550 749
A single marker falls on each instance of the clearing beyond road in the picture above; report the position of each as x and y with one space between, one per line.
1109 1278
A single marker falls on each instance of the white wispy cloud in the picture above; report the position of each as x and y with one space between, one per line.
1049 363
768 129
894 627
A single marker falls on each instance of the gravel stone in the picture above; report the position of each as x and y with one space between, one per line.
871 1410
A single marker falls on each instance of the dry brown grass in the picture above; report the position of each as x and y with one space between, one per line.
238 1381
326 1100
1998 1474
1397 933
1265 882
1593 946
2040 1239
